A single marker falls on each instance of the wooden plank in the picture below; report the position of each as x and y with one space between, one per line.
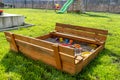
77 38
79 66
78 59
7 34
91 35
13 45
44 36
8 39
37 55
37 48
86 60
100 31
57 56
66 50
36 52
34 41
67 58
68 67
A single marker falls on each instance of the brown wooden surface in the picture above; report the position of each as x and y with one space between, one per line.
91 33
81 33
66 50
30 52
44 36
40 49
57 56
7 33
68 67
99 31
13 45
67 58
77 38
78 59
34 41
36 52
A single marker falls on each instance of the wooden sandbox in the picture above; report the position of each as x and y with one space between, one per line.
59 56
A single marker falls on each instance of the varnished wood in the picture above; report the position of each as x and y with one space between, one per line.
81 33
67 58
44 36
34 41
40 49
77 38
57 56
7 33
13 45
99 31
28 51
66 50
68 67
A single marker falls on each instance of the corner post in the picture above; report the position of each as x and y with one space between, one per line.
57 56
13 43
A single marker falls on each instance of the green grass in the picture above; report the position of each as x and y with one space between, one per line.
106 66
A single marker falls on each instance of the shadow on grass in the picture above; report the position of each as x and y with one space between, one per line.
95 15
26 67
83 75
36 70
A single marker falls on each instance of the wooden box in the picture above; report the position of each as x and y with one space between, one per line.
55 54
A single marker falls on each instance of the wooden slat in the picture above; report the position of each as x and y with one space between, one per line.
67 58
70 59
37 55
7 34
78 59
44 36
8 39
68 67
34 41
37 48
77 38
57 56
66 50
86 34
100 31
13 45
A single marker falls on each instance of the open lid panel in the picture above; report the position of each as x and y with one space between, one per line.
85 34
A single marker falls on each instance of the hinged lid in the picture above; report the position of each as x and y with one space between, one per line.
96 36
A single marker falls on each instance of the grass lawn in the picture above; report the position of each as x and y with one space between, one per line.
106 66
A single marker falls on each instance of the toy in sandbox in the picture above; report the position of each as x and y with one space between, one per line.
80 48
69 48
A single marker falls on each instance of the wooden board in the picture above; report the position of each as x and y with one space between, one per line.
99 31
44 36
37 55
66 50
57 56
94 34
77 38
68 67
